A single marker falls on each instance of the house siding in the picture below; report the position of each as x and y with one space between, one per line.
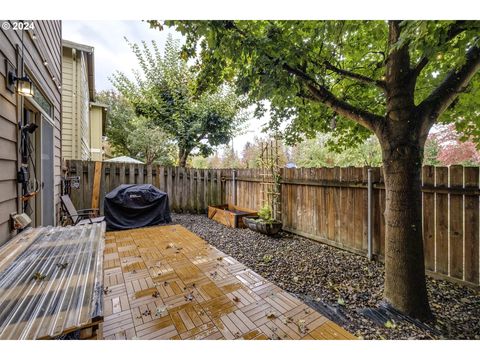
96 118
43 44
68 85
75 97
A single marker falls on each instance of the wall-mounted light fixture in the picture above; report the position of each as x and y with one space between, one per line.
24 85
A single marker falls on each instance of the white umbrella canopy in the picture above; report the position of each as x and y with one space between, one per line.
125 159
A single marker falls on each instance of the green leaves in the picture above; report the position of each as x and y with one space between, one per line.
256 56
325 151
119 121
150 143
167 91
135 136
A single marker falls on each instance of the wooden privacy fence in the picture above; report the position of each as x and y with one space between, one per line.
189 190
325 204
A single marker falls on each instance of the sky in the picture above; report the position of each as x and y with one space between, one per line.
113 53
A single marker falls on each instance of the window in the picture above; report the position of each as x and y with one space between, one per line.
42 101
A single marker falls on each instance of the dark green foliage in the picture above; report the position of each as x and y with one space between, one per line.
165 91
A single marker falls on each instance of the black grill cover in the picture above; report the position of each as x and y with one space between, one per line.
135 206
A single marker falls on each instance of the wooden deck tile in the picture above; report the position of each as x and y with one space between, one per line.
200 332
215 336
166 283
330 330
218 307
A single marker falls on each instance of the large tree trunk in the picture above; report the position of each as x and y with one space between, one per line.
402 137
405 286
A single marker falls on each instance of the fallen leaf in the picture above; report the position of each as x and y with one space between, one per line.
390 324
301 326
39 276
271 315
161 311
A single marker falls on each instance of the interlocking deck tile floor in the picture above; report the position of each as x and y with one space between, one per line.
165 282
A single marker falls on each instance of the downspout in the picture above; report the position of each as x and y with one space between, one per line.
369 215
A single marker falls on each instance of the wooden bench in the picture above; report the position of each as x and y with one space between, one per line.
51 282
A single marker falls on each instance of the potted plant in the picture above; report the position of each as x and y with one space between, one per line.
263 223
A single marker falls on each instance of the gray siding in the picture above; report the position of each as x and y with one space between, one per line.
42 44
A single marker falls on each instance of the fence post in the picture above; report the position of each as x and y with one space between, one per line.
369 215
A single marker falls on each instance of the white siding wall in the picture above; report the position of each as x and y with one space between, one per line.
75 97
68 85
84 109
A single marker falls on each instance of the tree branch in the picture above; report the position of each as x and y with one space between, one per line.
420 66
362 78
443 96
323 95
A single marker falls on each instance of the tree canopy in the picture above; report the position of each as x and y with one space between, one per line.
148 142
135 136
119 121
317 153
165 91
445 147
340 63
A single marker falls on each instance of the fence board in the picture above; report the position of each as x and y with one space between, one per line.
149 175
456 224
472 227
131 174
168 190
76 169
359 210
441 221
141 174
428 179
122 173
161 178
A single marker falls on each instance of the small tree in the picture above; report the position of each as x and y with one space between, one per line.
430 155
166 92
317 153
453 151
250 154
150 143
120 118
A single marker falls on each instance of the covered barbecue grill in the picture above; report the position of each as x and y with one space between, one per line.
135 206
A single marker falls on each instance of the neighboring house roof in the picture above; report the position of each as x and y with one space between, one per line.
290 166
89 50
125 159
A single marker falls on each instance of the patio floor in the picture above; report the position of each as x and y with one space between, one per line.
165 282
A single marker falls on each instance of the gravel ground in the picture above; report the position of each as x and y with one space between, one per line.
340 282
